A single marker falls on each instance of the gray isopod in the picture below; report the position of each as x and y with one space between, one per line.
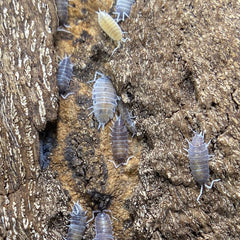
78 223
103 225
199 158
123 9
104 99
62 11
120 143
64 76
126 117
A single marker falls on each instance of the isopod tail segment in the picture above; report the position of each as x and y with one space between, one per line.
124 164
209 187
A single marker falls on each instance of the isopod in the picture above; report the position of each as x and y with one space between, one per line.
62 11
126 117
47 142
123 8
64 76
78 223
104 99
111 28
44 153
103 225
120 143
199 158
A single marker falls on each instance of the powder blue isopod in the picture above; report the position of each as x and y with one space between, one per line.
104 99
78 223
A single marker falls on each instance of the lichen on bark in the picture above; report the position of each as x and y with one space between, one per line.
29 198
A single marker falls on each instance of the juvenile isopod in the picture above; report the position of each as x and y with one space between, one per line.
104 99
126 117
199 158
78 223
103 226
64 76
120 143
123 8
111 28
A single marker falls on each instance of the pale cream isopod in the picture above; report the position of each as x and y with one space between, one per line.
111 28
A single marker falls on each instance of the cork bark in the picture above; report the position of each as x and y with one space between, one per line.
179 73
30 200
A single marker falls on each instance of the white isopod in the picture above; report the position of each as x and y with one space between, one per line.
104 99
123 8
111 28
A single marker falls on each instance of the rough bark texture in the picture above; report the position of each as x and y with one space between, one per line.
180 72
30 201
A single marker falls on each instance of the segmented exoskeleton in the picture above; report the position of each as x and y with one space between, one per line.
120 143
123 8
64 76
78 223
126 117
199 158
111 28
104 99
62 11
103 225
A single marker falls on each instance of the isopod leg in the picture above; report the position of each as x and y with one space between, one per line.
116 166
208 142
118 46
200 193
125 39
118 16
126 163
216 180
90 113
101 125
60 29
98 73
124 14
111 214
95 77
66 96
97 211
189 143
